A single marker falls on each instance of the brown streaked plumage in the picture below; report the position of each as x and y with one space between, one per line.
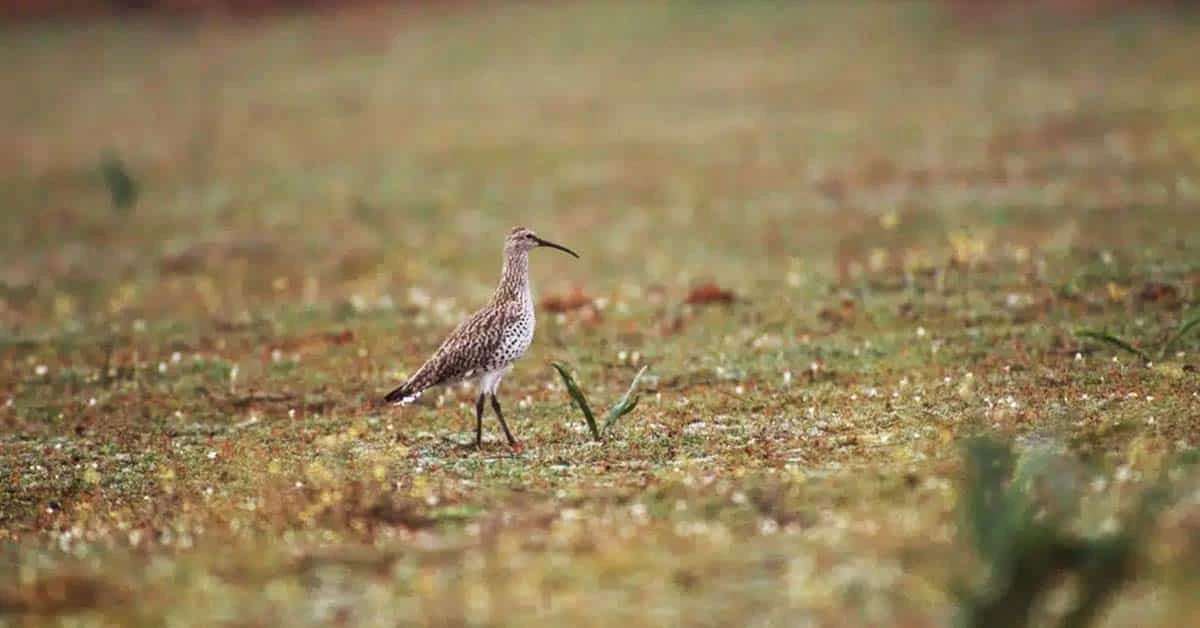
490 340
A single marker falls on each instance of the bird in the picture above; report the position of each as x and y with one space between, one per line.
485 345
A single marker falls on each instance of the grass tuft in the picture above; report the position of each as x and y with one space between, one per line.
580 399
625 404
1113 341
622 407
1023 532
123 189
1187 326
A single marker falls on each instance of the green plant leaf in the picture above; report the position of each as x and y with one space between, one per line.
986 505
1027 550
625 404
122 187
1112 340
580 400
1187 326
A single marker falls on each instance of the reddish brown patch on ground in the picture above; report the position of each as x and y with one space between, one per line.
843 313
708 293
1158 292
574 300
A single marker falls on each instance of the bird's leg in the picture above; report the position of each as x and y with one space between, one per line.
479 421
512 442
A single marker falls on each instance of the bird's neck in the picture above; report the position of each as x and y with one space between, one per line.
514 279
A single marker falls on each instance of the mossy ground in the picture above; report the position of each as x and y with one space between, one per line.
913 217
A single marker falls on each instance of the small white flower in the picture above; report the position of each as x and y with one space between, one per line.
41 370
176 357
212 455
162 367
1123 474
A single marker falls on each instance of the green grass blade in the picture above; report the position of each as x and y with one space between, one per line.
580 400
1187 326
1112 340
122 187
625 404
986 506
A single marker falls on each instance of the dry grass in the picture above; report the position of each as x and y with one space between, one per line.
909 222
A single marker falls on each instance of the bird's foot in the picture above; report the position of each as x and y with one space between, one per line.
516 447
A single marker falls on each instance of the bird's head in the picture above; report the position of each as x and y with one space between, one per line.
521 239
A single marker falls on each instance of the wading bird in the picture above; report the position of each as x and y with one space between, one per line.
484 346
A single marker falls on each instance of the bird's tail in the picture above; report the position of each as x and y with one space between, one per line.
404 394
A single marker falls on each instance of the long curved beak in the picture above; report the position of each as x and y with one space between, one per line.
556 246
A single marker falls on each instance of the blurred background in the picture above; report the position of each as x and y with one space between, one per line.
196 157
842 236
94 7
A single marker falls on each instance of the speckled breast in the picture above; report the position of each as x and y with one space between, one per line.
517 336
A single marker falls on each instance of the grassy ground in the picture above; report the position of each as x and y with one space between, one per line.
913 219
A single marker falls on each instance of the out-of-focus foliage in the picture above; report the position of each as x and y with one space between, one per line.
969 9
842 236
1019 514
122 188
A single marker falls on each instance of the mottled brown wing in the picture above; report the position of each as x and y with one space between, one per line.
465 353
